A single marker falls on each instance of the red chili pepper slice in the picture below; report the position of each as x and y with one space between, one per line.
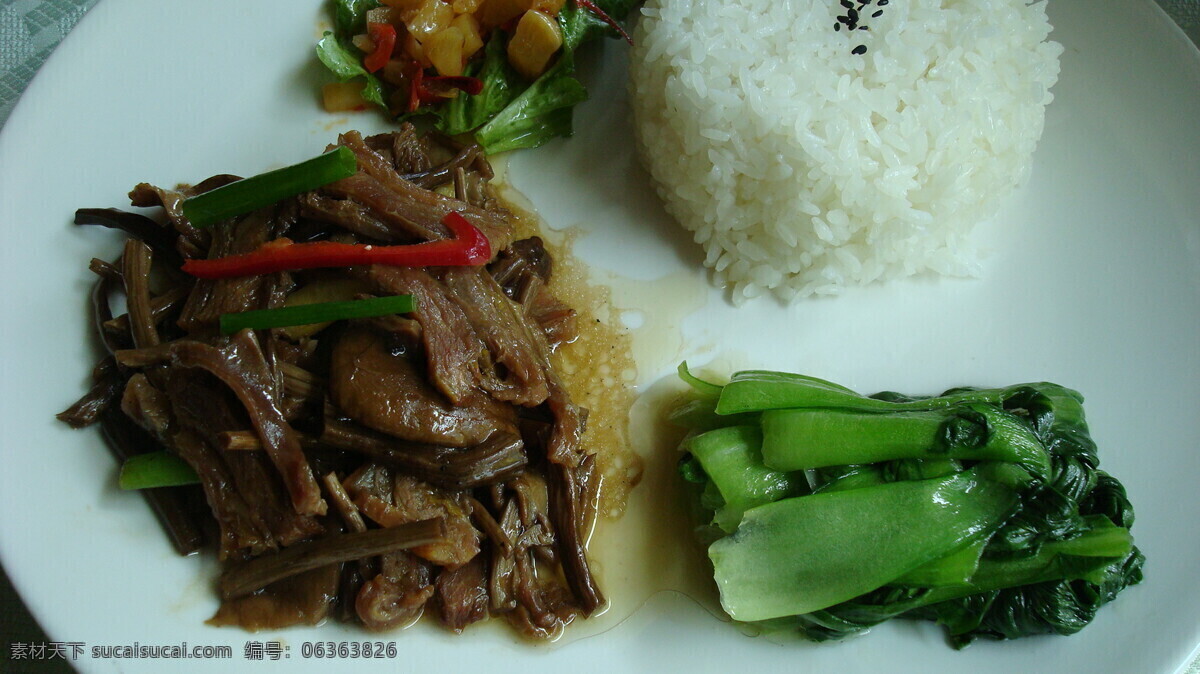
384 37
414 86
444 83
423 89
469 247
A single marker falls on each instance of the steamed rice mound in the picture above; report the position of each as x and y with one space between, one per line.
802 167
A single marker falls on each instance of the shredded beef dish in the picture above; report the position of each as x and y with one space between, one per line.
368 470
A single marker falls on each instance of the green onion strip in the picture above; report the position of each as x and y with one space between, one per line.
265 189
321 312
155 469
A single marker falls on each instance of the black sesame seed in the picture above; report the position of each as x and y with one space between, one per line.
877 14
864 28
853 14
842 19
837 26
881 3
847 4
860 49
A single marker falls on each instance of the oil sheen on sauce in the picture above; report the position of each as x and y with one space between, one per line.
642 543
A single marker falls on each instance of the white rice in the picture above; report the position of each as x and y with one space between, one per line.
803 168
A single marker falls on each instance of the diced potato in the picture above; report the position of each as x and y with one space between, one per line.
548 7
534 43
433 16
445 50
416 50
343 96
493 13
403 4
364 43
466 6
468 25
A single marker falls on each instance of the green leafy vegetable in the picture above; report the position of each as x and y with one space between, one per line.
345 61
758 390
831 511
501 84
701 388
799 439
511 112
538 114
803 554
955 568
732 457
350 16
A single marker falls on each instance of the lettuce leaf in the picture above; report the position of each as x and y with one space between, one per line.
541 112
350 16
501 84
505 116
345 62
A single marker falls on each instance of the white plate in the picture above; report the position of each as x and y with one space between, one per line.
1094 282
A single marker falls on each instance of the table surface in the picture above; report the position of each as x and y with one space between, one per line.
29 32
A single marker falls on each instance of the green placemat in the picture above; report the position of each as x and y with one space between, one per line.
29 31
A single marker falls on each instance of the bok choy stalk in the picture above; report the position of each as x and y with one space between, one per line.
830 511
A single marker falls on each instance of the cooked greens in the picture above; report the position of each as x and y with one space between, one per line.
830 512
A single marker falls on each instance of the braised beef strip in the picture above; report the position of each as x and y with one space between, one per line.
445 440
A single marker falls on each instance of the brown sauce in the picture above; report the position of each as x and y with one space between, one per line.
642 544
597 367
